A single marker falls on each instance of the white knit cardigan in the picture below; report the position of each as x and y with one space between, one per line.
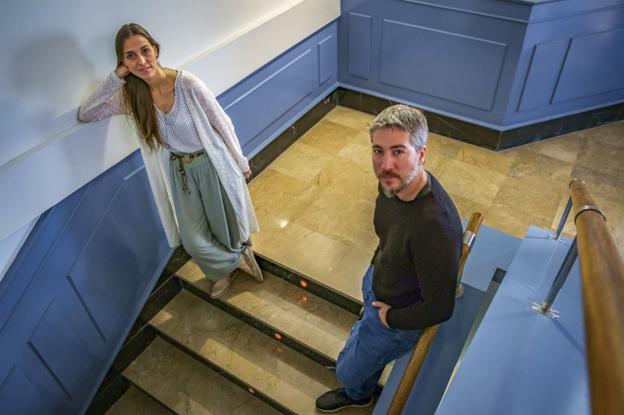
217 136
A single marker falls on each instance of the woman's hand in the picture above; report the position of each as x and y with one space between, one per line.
247 174
122 71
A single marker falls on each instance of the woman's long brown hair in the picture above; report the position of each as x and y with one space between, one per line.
137 96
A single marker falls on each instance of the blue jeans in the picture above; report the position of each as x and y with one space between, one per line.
370 347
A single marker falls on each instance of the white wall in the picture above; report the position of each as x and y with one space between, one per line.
53 53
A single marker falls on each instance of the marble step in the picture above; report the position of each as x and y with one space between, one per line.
137 402
187 386
285 308
273 370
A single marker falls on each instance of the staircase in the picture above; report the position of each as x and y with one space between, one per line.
271 347
263 348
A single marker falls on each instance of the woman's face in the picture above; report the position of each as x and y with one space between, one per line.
140 57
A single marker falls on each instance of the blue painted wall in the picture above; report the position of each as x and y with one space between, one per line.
69 298
264 104
500 63
79 282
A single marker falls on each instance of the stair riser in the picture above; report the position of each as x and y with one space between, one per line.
243 385
262 327
331 296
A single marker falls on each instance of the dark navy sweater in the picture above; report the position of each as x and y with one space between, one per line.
417 260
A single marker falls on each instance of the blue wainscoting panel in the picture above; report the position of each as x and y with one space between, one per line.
269 100
468 75
500 64
327 53
77 286
17 385
438 55
359 44
594 65
57 345
546 63
288 86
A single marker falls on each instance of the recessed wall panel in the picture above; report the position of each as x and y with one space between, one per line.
467 70
109 270
327 57
594 65
273 96
15 386
359 44
544 69
60 350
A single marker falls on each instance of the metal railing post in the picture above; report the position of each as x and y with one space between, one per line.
564 218
558 283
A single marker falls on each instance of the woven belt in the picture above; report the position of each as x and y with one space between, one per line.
187 157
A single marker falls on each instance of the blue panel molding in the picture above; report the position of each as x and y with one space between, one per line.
61 351
76 288
542 75
594 65
327 53
15 385
262 105
469 75
359 45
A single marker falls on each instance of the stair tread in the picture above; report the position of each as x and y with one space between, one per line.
134 401
301 315
187 386
271 368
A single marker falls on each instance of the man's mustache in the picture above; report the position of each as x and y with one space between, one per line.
386 174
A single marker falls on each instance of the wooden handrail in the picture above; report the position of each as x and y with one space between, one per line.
602 274
428 334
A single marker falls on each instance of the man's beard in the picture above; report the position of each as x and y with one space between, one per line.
390 193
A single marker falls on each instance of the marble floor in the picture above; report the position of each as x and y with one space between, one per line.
315 202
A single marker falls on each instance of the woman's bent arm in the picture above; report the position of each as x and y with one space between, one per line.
104 101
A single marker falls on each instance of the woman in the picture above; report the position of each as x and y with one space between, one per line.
192 157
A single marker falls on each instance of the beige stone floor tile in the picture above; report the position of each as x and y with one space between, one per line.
514 188
344 210
350 118
328 136
137 403
283 195
306 252
602 157
500 162
289 309
612 134
528 200
549 172
259 360
302 161
343 179
187 386
474 183
607 185
350 223
564 148
467 207
359 151
500 219
443 146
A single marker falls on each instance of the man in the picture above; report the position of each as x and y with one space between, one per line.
411 284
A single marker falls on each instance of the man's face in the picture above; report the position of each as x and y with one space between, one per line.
395 161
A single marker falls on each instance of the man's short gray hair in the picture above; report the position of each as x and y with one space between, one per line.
405 118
